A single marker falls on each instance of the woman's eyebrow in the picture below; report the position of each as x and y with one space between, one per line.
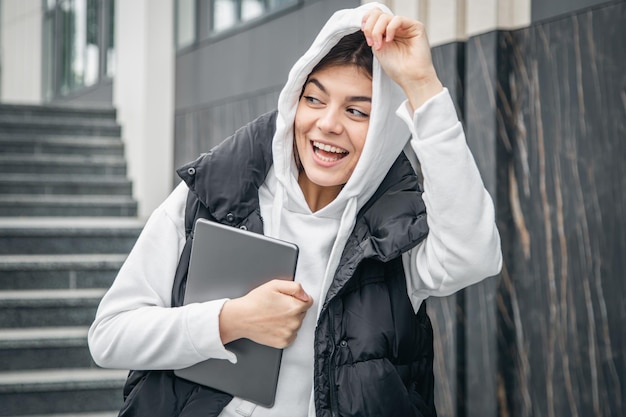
349 98
359 98
318 84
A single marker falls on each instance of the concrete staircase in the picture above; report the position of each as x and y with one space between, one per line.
67 222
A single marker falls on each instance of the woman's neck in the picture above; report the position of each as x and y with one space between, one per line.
316 196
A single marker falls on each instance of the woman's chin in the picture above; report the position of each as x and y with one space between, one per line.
324 179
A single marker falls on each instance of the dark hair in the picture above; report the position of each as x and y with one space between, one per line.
350 50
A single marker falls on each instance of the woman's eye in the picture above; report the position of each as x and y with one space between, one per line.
357 113
312 100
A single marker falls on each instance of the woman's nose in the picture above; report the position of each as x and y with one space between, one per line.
329 122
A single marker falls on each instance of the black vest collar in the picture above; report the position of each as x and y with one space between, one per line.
227 178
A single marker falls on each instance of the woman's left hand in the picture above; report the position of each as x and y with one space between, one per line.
401 46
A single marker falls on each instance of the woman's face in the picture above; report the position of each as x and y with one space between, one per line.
331 123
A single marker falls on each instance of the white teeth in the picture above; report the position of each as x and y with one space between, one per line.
329 148
325 159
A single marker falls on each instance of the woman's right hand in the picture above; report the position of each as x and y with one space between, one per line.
401 46
270 314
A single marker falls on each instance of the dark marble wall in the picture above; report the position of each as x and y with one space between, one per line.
544 110
481 129
445 312
546 119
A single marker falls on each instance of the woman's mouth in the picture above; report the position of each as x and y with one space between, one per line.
328 153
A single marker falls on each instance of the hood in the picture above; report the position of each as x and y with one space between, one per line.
328 229
385 139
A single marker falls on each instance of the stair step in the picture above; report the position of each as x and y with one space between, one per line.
60 391
40 308
54 126
67 205
62 164
64 184
44 348
97 414
45 235
67 111
67 222
59 145
20 272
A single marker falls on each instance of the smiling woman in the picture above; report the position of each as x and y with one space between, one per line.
326 171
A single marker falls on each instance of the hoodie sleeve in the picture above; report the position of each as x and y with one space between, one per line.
463 243
135 328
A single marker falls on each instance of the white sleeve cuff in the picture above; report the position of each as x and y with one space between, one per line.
203 329
436 115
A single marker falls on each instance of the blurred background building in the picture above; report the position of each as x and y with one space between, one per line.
100 100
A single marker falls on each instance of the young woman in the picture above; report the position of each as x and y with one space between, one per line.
326 171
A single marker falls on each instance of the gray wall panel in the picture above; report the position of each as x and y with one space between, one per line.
546 9
252 60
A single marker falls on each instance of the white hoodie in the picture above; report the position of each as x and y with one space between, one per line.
134 326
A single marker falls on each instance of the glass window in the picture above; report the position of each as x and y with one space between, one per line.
89 53
48 53
64 33
185 22
110 39
219 15
78 47
228 13
224 14
274 4
197 20
251 9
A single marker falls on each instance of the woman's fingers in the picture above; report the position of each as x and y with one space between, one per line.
293 289
379 31
368 22
400 26
271 314
379 27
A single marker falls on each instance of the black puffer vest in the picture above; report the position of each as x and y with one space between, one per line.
373 354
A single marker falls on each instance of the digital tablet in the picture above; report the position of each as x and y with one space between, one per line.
227 262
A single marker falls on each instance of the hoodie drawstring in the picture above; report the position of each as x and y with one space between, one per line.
277 208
